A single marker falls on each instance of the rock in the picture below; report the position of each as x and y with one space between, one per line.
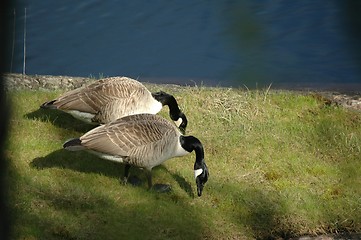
44 82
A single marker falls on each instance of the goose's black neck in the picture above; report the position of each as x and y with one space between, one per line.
201 173
167 99
190 143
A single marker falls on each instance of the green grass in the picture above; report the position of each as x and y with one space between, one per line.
281 164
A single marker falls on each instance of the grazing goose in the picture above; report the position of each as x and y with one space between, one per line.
111 98
144 141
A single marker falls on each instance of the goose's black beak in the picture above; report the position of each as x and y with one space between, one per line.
201 180
199 188
184 123
182 130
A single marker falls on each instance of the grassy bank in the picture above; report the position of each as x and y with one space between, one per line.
281 164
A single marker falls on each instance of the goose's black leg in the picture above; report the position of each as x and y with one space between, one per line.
162 188
149 178
132 180
126 174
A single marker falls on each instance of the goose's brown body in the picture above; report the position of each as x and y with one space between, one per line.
107 100
143 140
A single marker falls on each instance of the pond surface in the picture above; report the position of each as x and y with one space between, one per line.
216 43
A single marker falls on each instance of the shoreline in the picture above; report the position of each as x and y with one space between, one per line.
345 96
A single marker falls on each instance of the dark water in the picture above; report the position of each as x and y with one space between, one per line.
226 43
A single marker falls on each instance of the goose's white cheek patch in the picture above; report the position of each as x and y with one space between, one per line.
178 122
198 172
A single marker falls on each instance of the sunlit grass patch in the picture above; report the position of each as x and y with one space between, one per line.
281 164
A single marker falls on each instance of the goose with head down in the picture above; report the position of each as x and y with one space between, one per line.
111 98
144 141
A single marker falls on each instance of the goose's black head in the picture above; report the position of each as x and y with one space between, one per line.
175 113
182 122
201 173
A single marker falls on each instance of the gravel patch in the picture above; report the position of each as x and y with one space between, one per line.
44 82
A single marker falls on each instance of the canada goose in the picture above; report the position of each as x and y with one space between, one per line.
144 141
111 98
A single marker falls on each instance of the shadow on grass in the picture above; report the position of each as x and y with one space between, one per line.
256 209
88 163
338 145
265 214
59 119
96 214
78 161
186 186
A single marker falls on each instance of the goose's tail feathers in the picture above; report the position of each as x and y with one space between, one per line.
73 145
48 105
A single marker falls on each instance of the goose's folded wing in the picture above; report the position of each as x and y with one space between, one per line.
125 134
91 98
